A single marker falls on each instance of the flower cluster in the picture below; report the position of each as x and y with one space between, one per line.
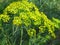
27 14
17 21
56 22
31 32
22 6
47 25
5 18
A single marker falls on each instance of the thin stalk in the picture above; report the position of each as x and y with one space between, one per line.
21 36
13 29
35 41
14 32
6 37
29 42
32 41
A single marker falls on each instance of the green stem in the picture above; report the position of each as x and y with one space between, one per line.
21 36
29 42
6 37
13 30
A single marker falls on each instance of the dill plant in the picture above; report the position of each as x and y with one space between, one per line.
24 17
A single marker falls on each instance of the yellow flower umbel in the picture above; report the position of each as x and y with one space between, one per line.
4 18
31 32
42 29
17 21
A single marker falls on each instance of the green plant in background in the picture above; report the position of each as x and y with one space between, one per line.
4 18
4 4
52 9
22 19
56 22
49 7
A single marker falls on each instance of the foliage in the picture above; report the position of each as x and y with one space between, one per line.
21 19
4 4
50 7
56 23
